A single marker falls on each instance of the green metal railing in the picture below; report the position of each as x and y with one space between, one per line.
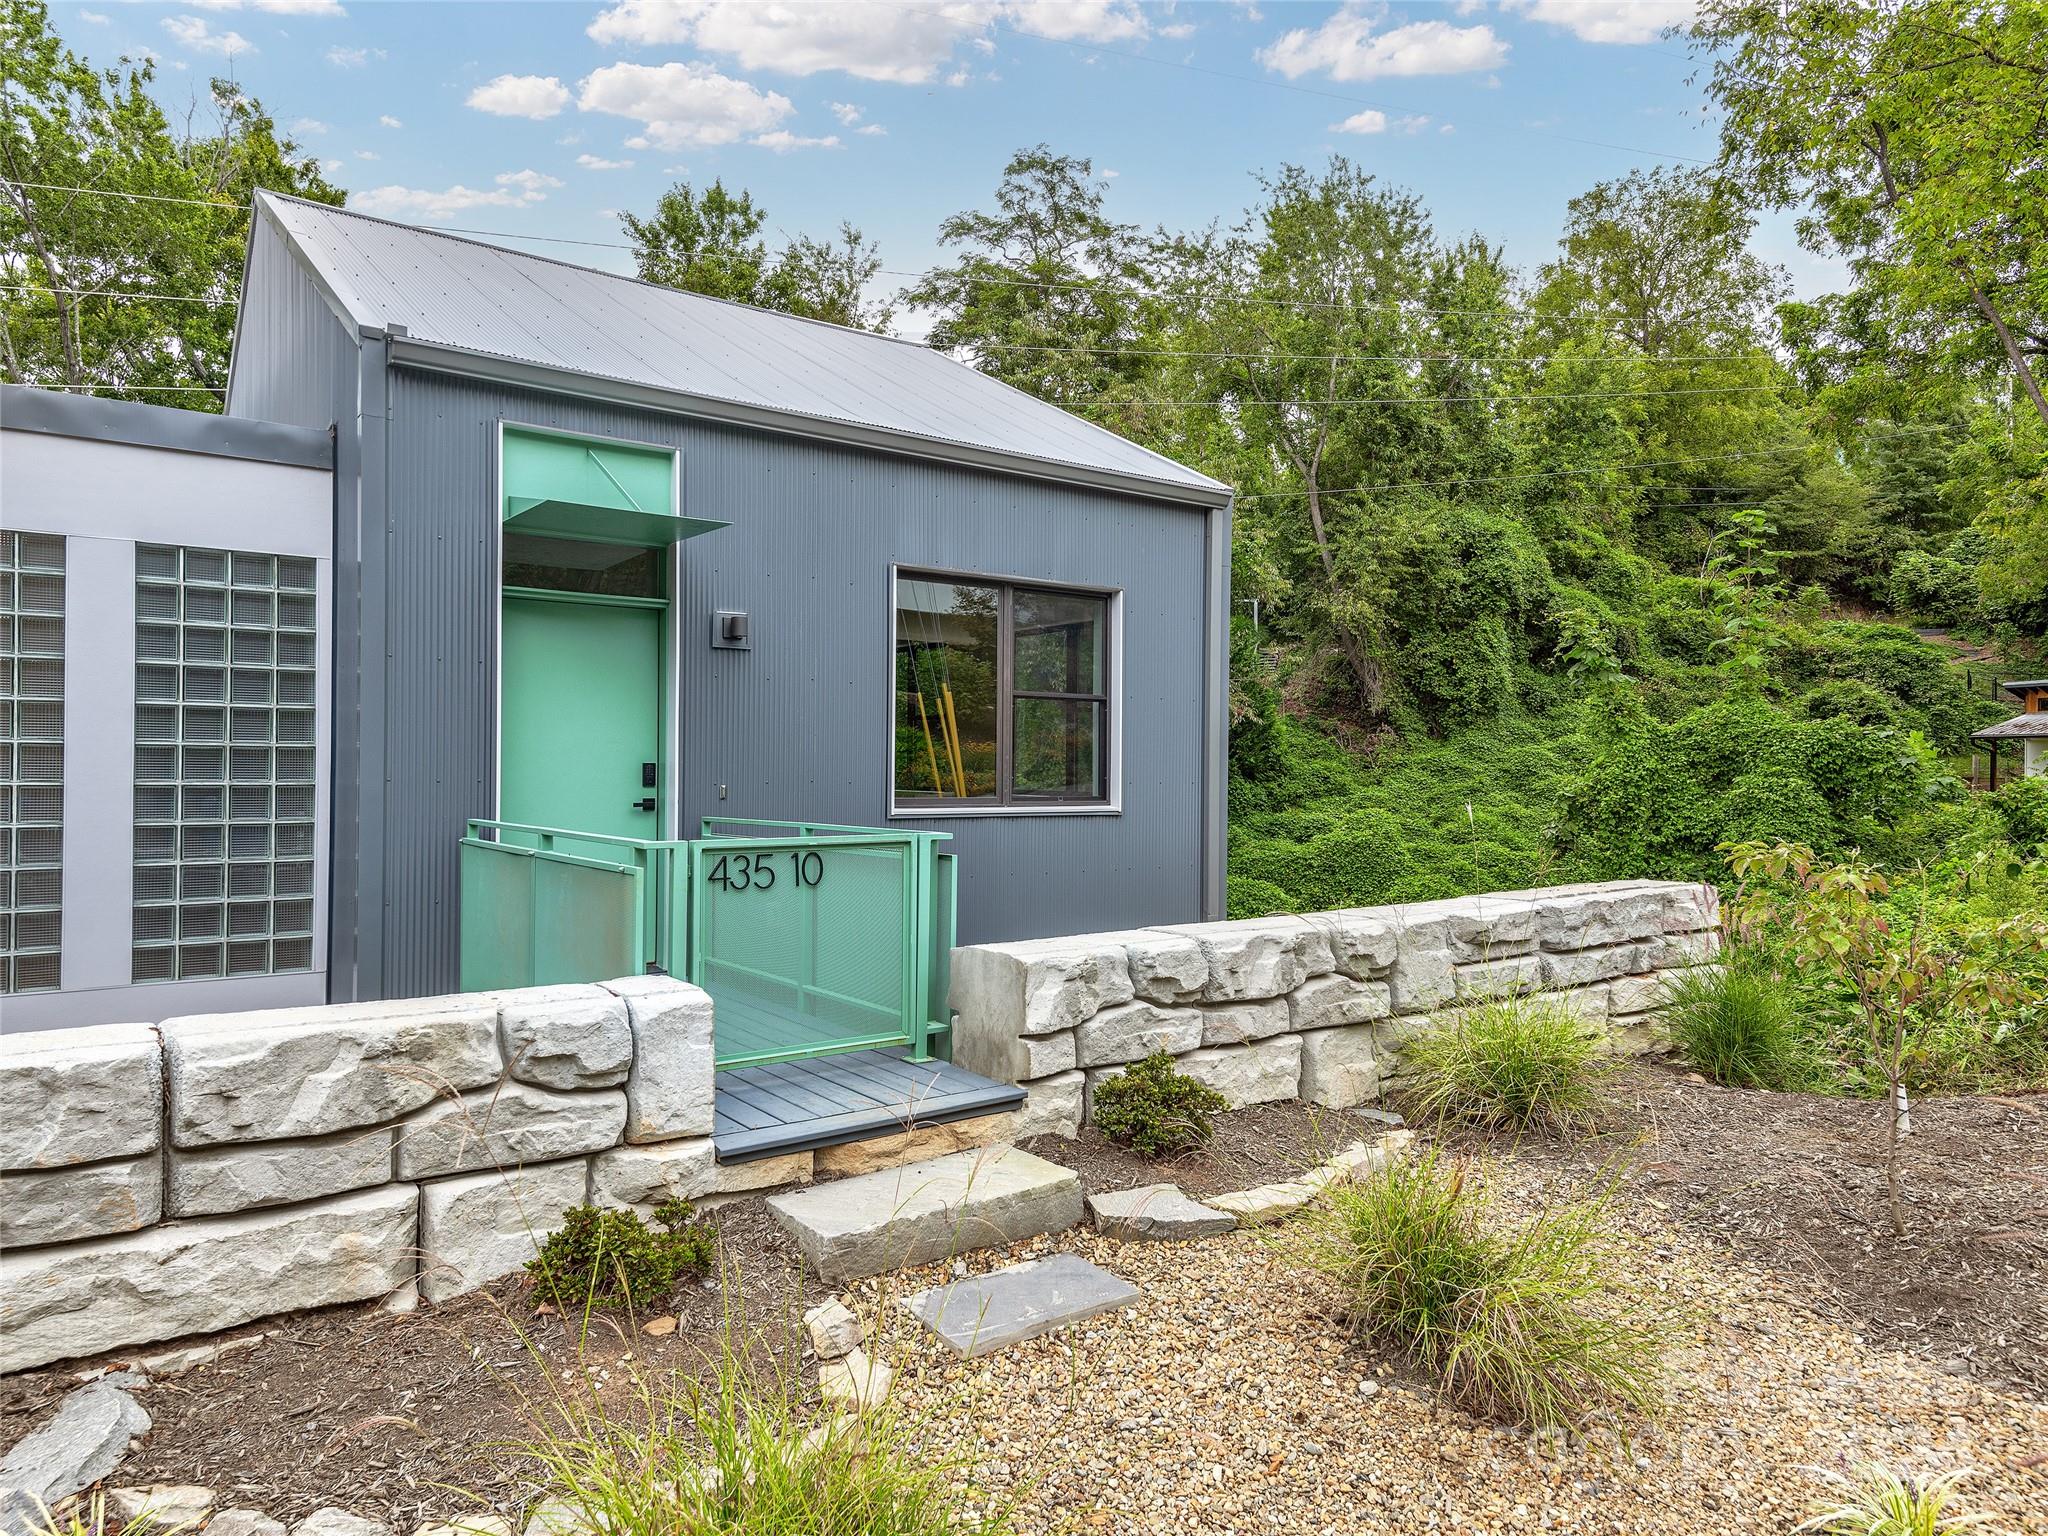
812 938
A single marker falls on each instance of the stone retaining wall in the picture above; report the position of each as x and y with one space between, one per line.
158 1180
1313 1006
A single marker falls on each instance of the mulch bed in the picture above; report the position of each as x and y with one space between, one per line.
399 1415
1794 1183
1265 1144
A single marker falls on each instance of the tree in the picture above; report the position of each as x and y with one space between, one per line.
122 238
1048 291
711 243
1915 130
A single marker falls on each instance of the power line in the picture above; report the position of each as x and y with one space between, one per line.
1548 474
141 389
1594 394
111 293
134 197
1332 357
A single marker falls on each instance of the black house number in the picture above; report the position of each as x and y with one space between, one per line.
756 871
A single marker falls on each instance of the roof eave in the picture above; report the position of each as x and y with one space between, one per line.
445 357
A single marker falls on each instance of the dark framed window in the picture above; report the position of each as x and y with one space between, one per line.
1002 694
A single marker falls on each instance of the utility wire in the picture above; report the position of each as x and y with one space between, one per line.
111 293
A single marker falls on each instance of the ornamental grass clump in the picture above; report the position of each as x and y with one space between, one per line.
611 1258
1881 1502
1736 1025
739 1453
1155 1110
1515 1321
1519 1064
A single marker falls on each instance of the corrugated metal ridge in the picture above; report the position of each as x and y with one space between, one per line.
447 357
1178 483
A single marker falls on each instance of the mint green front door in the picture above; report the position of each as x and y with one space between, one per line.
580 716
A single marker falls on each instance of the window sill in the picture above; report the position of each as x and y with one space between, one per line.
933 813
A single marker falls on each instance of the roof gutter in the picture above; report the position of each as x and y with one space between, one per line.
441 357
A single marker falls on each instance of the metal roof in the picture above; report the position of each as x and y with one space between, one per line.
465 299
2019 727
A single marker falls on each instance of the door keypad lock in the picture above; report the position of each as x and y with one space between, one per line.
647 775
649 804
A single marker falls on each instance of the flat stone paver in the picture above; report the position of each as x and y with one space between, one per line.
1156 1213
876 1222
1007 1306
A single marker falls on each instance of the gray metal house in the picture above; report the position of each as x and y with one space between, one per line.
616 567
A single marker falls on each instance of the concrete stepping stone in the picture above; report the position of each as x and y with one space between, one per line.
1008 1306
921 1212
1156 1213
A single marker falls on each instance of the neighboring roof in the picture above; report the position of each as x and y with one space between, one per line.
2024 727
2019 685
500 311
103 420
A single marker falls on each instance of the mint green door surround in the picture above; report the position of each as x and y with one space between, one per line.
580 714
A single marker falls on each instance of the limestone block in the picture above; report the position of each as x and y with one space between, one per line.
1583 967
1264 957
1236 1023
1421 979
83 1441
1053 1107
669 1092
1589 1003
210 1181
1131 1031
507 1126
1587 917
1165 967
686 1170
854 1382
1641 1034
1363 940
912 1146
1488 927
1267 1203
1014 1058
62 1205
566 1037
833 1329
80 1095
202 1276
339 1522
1329 1001
1690 908
295 1072
1156 1213
1262 1073
1485 980
479 1226
1639 994
1390 1036
1339 1067
1038 987
1680 949
927 1211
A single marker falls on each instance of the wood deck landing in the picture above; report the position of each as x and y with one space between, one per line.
827 1101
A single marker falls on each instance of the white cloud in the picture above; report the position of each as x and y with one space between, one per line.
1608 21
1368 121
783 142
514 189
309 125
352 58
599 163
332 167
1349 46
521 96
869 39
1178 31
682 105
368 154
388 121
94 17
275 7
847 113
193 32
872 130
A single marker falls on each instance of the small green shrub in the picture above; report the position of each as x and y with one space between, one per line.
1154 1110
1735 1024
612 1258
1519 1063
1880 1502
1515 1322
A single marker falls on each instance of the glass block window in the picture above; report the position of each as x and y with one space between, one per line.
224 680
31 761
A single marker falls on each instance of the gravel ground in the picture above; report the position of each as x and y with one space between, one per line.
1231 1399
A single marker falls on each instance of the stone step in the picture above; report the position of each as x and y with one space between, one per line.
923 1212
1008 1306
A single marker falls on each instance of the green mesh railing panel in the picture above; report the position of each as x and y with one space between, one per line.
534 918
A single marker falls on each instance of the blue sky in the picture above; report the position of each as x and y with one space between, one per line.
541 118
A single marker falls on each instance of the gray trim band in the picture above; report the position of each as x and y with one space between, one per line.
99 419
